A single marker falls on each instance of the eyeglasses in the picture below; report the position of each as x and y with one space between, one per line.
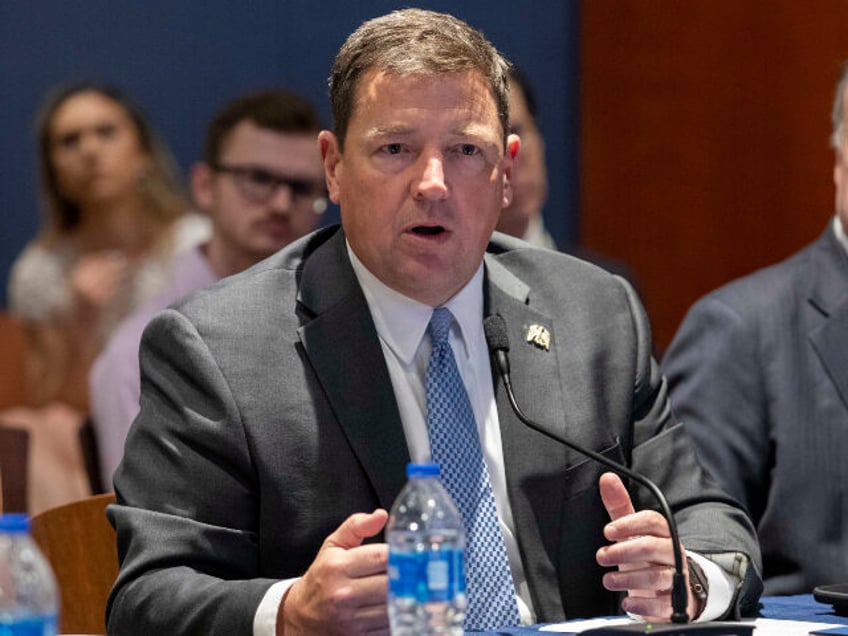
259 185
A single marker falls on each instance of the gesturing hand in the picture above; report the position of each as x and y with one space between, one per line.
642 551
344 590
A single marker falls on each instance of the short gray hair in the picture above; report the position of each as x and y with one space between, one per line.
414 41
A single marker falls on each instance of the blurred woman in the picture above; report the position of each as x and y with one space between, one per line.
115 216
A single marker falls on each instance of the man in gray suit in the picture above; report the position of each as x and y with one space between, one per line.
758 373
279 408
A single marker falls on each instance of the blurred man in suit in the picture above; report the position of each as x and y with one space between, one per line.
261 185
758 373
280 407
523 216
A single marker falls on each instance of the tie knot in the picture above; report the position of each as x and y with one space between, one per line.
439 326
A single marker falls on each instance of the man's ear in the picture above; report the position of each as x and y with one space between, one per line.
331 155
513 145
202 190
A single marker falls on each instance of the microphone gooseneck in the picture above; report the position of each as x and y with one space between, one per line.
497 340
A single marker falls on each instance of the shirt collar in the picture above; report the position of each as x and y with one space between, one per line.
401 321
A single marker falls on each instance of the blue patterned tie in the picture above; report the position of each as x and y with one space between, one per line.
455 446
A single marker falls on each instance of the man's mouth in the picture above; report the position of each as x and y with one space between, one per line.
428 230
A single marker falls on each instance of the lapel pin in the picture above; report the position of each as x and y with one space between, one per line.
539 336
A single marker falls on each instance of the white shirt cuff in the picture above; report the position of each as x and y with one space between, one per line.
265 619
722 588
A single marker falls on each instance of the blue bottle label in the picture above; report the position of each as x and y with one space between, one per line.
44 625
444 574
432 576
404 574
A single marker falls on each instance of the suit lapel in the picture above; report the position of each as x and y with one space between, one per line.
831 343
530 457
829 296
343 348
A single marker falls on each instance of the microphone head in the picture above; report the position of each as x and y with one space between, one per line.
494 327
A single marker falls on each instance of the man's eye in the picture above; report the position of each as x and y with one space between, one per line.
299 188
260 177
394 149
468 149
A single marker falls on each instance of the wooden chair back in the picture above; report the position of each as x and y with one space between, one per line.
14 452
13 352
80 544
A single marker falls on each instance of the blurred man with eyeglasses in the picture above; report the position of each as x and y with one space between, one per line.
261 182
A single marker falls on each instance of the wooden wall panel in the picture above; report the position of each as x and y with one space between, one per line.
704 138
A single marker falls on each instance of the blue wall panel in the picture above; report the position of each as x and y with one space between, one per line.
183 60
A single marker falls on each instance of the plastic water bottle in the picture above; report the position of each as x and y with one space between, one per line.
28 591
426 541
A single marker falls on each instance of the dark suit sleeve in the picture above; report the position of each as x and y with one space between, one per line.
717 392
188 547
709 522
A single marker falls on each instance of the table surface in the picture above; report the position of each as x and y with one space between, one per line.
796 608
802 607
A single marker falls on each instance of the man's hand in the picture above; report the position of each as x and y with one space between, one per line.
344 590
642 551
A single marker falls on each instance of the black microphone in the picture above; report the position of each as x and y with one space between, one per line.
497 340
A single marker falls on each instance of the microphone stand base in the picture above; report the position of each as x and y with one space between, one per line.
715 628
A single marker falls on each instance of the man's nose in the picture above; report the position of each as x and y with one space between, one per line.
282 198
431 184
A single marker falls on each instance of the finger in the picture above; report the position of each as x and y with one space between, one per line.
644 522
644 581
377 622
372 590
644 549
356 528
367 560
652 609
361 597
615 496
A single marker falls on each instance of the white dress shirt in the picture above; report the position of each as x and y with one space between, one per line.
402 324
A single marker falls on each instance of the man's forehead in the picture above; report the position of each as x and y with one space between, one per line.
374 83
376 93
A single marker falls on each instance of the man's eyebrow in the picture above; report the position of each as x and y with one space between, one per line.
388 131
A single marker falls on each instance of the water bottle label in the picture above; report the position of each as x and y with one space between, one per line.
438 580
444 572
404 574
28 626
438 576
435 575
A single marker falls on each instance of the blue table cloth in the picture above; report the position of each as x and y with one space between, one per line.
802 607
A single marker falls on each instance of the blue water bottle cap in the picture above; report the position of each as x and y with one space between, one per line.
14 522
422 470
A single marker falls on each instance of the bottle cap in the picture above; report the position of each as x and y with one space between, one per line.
14 522
422 470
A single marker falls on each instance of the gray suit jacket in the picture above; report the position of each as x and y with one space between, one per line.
759 375
268 416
